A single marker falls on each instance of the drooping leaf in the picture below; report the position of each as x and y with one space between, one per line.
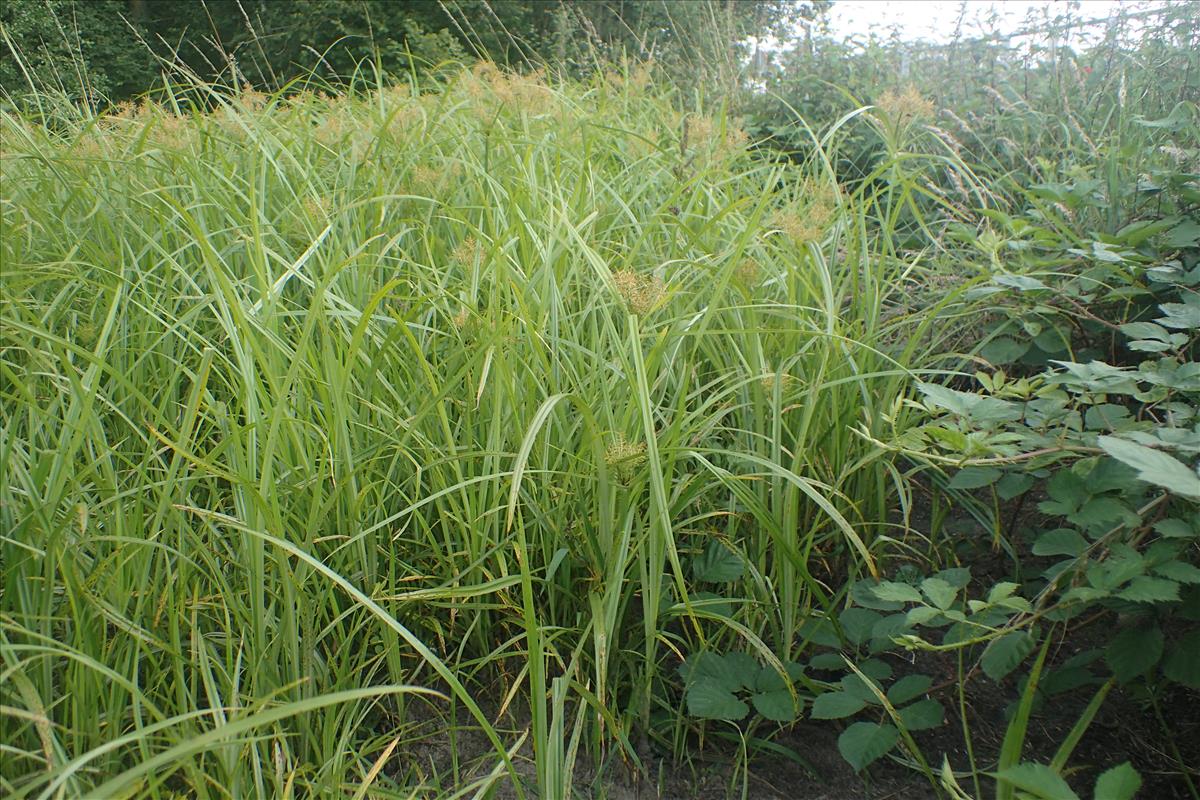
864 742
1004 654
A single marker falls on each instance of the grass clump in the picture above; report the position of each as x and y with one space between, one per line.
314 407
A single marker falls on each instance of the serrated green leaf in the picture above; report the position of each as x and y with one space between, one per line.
976 406
744 666
1179 571
921 615
1144 589
1185 234
1119 783
708 699
819 631
827 662
1134 651
922 715
890 626
863 689
836 705
897 592
713 667
769 680
712 603
1039 780
777 705
1022 283
863 594
875 669
1181 316
1105 416
1002 591
1145 330
864 742
1103 513
1004 654
975 477
1175 529
857 624
1013 485
958 577
940 593
718 564
1060 542
1183 662
1003 350
1154 467
908 688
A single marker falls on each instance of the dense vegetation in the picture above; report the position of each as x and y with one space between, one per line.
488 432
82 48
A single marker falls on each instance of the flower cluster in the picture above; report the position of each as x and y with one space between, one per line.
526 92
809 222
624 457
641 293
905 106
466 251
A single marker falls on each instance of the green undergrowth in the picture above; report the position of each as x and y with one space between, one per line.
317 412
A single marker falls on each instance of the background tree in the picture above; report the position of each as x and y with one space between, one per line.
110 48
